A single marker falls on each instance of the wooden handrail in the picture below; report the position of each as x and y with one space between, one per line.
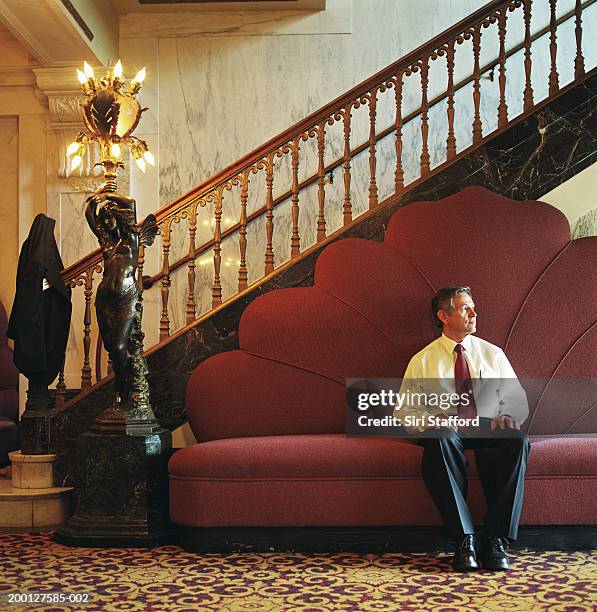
308 122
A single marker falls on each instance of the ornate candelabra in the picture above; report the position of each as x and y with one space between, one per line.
111 114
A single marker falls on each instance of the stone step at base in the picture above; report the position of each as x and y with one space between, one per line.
33 508
32 471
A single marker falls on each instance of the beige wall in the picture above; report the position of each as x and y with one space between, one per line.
9 221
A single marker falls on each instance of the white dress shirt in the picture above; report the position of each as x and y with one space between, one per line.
497 390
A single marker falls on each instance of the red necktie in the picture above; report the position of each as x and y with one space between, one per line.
462 378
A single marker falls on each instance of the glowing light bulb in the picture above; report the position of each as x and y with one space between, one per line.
73 147
81 76
141 164
149 158
140 76
88 70
118 70
75 162
115 150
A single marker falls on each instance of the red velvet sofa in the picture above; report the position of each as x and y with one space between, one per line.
270 416
9 395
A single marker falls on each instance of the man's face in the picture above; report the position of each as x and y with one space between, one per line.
462 319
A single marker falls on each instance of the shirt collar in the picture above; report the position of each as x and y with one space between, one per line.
449 344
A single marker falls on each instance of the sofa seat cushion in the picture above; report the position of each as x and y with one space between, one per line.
338 480
309 456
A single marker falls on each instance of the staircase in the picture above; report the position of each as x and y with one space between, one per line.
499 99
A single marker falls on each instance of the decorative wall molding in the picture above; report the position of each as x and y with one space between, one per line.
65 109
64 95
65 115
82 184
16 76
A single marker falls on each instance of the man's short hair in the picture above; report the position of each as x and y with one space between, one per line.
444 300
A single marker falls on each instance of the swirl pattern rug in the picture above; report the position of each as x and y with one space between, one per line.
168 578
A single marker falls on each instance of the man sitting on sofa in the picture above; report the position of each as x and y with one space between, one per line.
501 457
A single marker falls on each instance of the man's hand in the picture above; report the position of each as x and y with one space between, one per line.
504 422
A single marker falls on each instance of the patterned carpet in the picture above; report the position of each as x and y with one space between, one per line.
167 578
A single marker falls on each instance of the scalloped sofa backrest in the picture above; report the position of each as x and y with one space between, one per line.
369 312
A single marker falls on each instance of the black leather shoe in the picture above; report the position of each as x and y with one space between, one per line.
494 554
465 557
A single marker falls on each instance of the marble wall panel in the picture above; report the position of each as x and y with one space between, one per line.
586 225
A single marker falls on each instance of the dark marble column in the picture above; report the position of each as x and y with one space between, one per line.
122 491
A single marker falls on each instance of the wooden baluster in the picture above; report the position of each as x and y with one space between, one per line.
579 60
528 89
502 107
321 181
295 239
191 305
399 172
86 371
216 290
451 140
425 166
60 389
554 80
269 214
243 277
477 124
165 288
347 205
372 140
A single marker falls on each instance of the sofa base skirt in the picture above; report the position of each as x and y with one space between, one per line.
371 539
374 502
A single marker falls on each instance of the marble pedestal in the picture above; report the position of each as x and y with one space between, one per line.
32 471
122 491
30 501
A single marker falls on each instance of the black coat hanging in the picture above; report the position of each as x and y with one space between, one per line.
40 318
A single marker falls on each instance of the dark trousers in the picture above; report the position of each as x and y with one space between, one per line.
501 463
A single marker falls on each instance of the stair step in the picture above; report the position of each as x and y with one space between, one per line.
33 508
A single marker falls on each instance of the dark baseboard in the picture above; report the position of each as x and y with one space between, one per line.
371 539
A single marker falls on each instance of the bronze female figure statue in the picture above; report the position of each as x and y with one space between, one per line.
112 218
